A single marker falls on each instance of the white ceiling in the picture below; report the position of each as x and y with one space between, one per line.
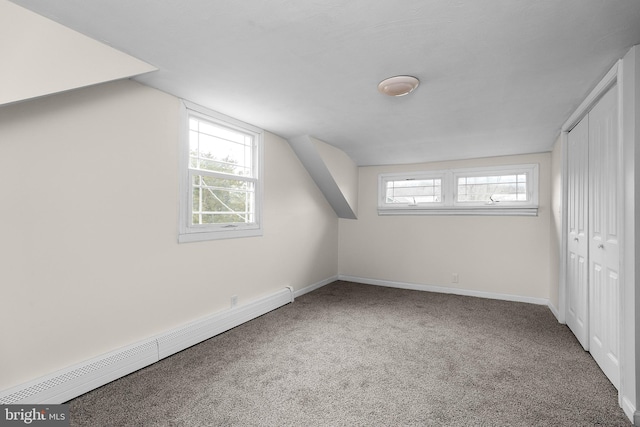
498 77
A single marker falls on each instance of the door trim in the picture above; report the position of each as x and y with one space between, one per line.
611 78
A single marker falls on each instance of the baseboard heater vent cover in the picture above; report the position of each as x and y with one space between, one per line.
184 337
71 382
76 380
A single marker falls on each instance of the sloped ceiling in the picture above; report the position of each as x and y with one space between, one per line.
498 77
326 169
40 57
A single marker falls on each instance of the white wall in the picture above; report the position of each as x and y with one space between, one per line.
498 254
88 219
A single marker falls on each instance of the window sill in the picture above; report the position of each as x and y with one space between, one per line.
475 210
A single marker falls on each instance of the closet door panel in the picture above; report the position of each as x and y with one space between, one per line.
578 244
604 295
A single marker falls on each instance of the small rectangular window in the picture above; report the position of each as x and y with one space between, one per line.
400 191
499 190
492 188
414 191
496 187
221 177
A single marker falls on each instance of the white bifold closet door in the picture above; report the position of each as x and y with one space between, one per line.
593 286
604 248
577 289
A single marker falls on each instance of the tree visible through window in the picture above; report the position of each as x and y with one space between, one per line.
221 170
221 182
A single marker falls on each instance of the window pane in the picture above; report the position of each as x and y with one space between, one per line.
495 188
414 191
219 149
218 200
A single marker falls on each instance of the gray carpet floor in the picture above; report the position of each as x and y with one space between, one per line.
350 354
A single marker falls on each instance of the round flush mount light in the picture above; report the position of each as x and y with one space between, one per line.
398 85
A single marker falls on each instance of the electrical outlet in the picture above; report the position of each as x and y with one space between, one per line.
454 279
234 300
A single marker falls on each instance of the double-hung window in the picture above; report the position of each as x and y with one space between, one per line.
221 185
497 190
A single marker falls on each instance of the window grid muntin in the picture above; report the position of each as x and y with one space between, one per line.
196 177
243 142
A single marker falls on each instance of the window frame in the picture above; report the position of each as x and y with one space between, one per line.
450 204
187 232
383 179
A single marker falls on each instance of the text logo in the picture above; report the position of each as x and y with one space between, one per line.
34 415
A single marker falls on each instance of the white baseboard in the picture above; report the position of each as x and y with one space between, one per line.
73 381
185 336
315 286
630 411
445 290
555 312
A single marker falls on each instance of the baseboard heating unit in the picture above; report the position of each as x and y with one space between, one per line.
73 381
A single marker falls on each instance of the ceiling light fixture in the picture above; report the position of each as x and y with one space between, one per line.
398 85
